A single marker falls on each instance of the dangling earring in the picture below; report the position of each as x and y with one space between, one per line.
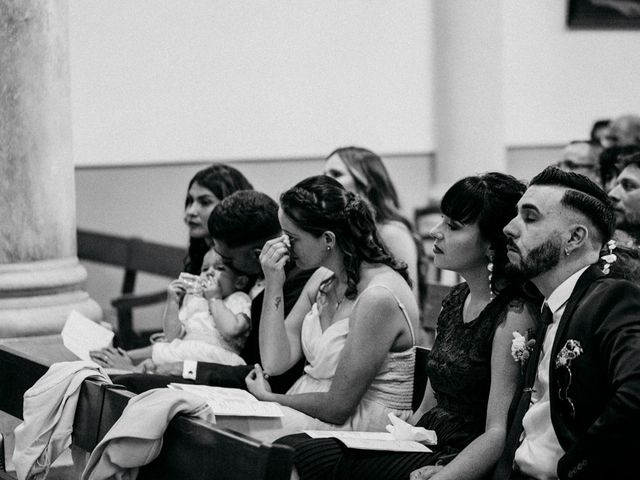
566 251
490 268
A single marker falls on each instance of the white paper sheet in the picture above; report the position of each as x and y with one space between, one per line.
81 335
232 401
370 441
112 372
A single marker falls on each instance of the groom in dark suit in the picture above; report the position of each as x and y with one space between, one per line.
578 416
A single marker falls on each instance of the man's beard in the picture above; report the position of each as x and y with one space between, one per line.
541 259
630 223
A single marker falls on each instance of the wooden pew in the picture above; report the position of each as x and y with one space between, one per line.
18 372
20 368
192 449
133 255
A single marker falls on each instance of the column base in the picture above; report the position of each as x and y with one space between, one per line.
37 297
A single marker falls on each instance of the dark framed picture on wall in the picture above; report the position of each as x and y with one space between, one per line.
609 14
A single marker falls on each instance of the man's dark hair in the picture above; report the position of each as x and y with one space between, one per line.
597 125
243 218
582 195
631 159
612 161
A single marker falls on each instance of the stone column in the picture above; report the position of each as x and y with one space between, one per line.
468 78
40 277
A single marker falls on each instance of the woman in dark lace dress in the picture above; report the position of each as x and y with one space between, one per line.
472 375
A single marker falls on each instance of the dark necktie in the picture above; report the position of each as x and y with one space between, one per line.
505 464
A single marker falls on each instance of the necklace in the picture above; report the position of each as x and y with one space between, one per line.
339 300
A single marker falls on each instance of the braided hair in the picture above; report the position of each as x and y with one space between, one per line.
319 204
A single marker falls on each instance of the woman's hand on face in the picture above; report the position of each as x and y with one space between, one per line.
176 290
257 383
273 258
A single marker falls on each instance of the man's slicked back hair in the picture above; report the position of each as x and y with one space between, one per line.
584 196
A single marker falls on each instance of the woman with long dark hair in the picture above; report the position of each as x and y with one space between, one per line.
352 322
205 190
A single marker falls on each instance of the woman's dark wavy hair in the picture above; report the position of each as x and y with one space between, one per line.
373 182
490 200
222 180
319 204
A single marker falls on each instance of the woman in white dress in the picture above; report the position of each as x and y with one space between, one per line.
352 322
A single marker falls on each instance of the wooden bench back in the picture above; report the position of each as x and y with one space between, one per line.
133 255
130 253
18 373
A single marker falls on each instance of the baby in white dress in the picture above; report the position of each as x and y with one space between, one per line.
207 318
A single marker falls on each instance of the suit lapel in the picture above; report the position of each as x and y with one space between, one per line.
589 276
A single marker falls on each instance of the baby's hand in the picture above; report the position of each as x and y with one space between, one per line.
212 289
176 290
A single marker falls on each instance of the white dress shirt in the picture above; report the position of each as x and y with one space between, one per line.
539 450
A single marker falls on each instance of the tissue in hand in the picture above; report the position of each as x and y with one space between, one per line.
401 430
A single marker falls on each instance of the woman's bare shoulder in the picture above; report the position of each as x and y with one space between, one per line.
395 230
384 284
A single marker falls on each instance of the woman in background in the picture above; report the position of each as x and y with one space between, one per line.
205 190
361 171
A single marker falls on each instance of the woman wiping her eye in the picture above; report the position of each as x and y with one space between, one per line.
352 322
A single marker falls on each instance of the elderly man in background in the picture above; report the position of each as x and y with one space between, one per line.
582 156
624 130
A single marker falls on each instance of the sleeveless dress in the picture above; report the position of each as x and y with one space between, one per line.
390 391
459 368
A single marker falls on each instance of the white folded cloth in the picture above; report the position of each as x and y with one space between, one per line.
402 430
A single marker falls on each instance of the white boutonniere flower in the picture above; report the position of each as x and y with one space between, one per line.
521 347
571 350
610 258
